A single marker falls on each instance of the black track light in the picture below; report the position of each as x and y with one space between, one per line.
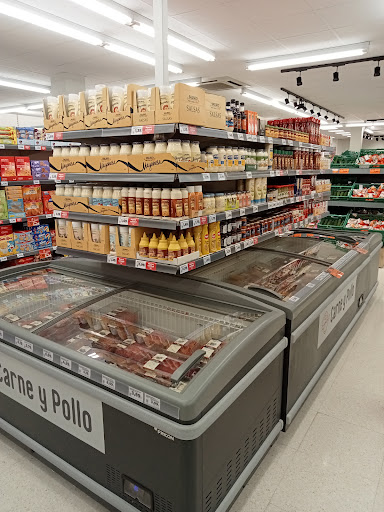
334 120
377 69
338 121
319 114
287 100
382 138
326 118
377 139
336 75
312 111
299 81
295 104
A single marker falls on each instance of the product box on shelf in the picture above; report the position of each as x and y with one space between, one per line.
68 164
98 232
15 206
135 235
216 111
40 169
62 203
98 119
75 122
107 164
121 118
25 132
7 245
251 121
3 205
105 210
62 232
147 117
162 163
188 106
8 168
53 124
78 234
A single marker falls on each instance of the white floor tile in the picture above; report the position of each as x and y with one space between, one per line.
312 485
331 441
379 499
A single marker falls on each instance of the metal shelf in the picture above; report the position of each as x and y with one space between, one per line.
90 177
362 170
25 254
24 219
358 204
167 268
172 224
32 145
26 182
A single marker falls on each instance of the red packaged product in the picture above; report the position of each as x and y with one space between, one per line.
47 201
31 192
23 166
7 167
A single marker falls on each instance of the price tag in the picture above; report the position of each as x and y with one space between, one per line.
20 255
65 363
343 171
203 220
360 250
290 142
255 208
48 355
240 136
12 221
254 138
206 176
206 259
36 182
248 174
140 264
19 342
149 129
4 183
255 240
228 251
261 139
20 146
283 141
133 221
294 298
230 135
299 172
60 176
121 261
335 273
183 128
184 224
300 144
242 212
196 221
374 171
251 242
50 136
3 258
56 214
84 371
237 247
221 176
108 382
212 218
122 221
2 146
249 137
28 346
228 215
44 254
53 176
33 221
272 173
43 148
183 268
151 265
137 130
37 148
111 259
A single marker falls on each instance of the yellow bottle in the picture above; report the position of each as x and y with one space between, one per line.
197 231
162 248
218 236
144 246
170 238
212 228
191 244
205 240
174 249
183 245
153 245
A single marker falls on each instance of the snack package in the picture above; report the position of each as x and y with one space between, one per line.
31 193
23 166
7 167
47 201
3 205
33 208
15 208
40 169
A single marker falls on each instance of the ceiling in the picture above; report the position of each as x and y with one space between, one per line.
235 31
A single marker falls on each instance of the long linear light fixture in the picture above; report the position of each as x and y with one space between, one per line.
269 101
40 88
17 10
105 10
339 52
362 125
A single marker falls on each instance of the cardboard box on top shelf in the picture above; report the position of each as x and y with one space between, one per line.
103 247
77 122
123 118
215 106
79 245
54 124
107 164
98 119
135 235
143 118
188 106
70 204
62 241
68 164
156 163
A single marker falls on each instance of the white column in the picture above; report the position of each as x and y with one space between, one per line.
356 140
67 83
160 23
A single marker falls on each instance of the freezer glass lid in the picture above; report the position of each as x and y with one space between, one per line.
32 299
279 274
328 251
149 335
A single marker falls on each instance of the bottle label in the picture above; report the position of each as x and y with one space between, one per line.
143 251
139 205
185 207
162 254
147 206
156 207
229 163
165 208
124 205
115 203
131 205
177 208
152 252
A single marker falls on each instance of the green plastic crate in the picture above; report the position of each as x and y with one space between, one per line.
341 191
367 185
365 217
333 222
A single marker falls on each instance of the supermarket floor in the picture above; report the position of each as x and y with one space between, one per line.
330 460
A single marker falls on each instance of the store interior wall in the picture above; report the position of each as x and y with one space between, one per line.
341 145
20 120
373 144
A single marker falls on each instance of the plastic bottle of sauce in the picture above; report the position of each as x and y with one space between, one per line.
222 159
174 249
153 245
197 235
162 248
183 245
205 240
139 201
195 151
97 197
166 202
116 196
187 153
191 244
199 199
176 202
191 201
212 229
147 201
107 196
184 193
144 246
124 200
131 200
156 202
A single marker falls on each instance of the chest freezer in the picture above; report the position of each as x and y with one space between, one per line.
291 273
154 392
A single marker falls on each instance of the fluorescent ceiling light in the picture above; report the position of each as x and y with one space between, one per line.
47 23
339 52
35 106
331 127
141 57
272 103
192 84
15 110
105 10
362 125
369 131
176 42
256 97
25 87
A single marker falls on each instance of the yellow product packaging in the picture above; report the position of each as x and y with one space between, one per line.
162 248
212 236
218 236
191 243
153 245
174 249
197 234
183 245
144 245
205 240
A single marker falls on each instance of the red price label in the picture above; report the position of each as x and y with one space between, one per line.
121 261
44 254
27 147
133 221
203 220
335 273
33 221
151 265
43 148
64 215
191 265
58 136
61 176
149 129
255 240
192 130
374 171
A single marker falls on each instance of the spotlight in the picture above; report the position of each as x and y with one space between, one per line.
312 111
377 69
336 75
326 118
299 81
382 138
319 114
377 139
338 121
295 104
287 100
333 120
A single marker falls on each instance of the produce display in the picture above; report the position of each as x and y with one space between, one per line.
373 191
365 222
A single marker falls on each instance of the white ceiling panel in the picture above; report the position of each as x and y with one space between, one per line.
353 13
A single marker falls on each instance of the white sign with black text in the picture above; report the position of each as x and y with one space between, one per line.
71 410
334 312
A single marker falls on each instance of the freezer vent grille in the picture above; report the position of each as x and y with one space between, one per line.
236 465
115 484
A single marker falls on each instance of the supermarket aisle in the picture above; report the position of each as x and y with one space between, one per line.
331 460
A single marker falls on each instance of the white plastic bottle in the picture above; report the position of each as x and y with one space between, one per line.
222 159
124 236
107 196
147 202
215 155
235 166
187 153
125 149
60 190
104 150
195 151
68 191
229 159
97 196
166 202
139 201
131 200
176 203
112 239
116 196
86 191
114 149
137 148
149 148
95 150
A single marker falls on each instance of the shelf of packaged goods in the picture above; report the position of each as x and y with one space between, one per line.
167 268
31 145
172 224
121 178
361 170
183 129
26 182
356 203
36 219
42 252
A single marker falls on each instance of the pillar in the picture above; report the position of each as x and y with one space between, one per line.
66 83
356 140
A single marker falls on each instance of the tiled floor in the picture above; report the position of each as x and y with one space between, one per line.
330 460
